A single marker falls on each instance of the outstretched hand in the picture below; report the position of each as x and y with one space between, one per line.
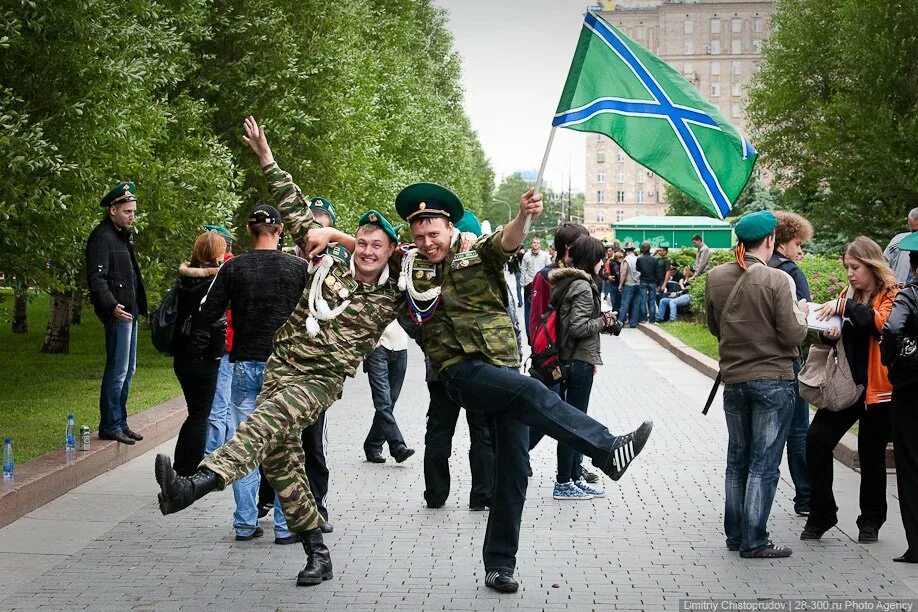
531 204
255 137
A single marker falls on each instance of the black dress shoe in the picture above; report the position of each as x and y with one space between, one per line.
255 534
118 436
478 507
501 581
179 492
907 557
374 456
402 453
589 476
811 532
132 434
868 535
326 527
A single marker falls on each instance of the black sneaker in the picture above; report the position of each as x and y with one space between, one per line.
501 581
626 448
255 534
868 535
402 453
769 551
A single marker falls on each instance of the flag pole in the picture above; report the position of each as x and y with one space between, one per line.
538 182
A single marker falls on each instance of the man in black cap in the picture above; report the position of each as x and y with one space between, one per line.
118 297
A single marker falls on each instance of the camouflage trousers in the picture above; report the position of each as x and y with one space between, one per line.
289 402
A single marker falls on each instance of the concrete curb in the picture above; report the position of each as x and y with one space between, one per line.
846 451
48 477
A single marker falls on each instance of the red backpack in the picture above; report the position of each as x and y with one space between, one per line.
546 366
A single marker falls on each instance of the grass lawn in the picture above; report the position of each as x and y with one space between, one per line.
694 335
37 391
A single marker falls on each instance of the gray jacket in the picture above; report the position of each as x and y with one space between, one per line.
576 298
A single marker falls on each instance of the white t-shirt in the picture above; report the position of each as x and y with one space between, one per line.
394 337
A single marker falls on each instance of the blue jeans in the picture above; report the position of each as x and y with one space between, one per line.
120 363
672 304
758 416
248 377
218 422
649 300
386 371
796 445
519 288
631 304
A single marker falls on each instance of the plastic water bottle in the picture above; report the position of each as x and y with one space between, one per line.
70 434
8 464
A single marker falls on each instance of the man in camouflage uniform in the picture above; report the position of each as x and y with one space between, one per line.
470 341
304 374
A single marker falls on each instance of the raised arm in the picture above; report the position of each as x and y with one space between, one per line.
512 235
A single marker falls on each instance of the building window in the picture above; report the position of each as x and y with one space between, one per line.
715 26
621 156
737 26
640 197
689 47
639 32
715 68
687 68
757 46
600 196
757 24
620 197
689 27
619 215
601 176
715 90
735 110
736 47
600 216
736 68
600 157
736 89
639 176
621 177
715 47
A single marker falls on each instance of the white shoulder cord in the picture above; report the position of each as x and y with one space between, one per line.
318 306
406 276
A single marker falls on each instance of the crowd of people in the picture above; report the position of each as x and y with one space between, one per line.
265 339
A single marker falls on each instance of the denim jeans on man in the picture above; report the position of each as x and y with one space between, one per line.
631 304
515 401
672 305
248 377
120 363
219 430
796 446
758 414
649 299
386 371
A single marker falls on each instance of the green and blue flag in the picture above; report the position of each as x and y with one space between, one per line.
618 88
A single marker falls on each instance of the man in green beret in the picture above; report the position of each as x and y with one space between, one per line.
117 294
338 319
470 340
752 310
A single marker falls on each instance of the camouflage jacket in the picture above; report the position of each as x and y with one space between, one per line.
343 341
471 320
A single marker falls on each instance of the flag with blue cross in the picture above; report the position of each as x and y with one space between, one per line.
617 88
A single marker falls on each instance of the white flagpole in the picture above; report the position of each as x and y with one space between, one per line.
538 182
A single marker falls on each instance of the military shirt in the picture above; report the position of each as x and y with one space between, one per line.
342 342
471 320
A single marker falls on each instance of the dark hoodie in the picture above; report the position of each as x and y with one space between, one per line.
192 337
576 298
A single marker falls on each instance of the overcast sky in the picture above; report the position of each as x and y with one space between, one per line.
515 57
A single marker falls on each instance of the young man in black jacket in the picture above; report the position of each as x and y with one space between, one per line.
118 297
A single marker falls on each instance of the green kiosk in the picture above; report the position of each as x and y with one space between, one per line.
675 232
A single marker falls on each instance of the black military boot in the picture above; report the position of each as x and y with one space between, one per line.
179 492
318 560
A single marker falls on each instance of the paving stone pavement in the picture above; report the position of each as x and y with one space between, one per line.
654 540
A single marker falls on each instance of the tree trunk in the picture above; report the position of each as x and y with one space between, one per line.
57 337
76 307
20 301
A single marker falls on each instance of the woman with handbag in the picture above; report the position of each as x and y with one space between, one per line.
864 305
197 349
899 350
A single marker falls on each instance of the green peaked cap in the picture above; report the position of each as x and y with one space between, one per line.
122 193
374 217
428 200
755 226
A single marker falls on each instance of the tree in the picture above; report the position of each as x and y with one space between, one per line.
755 196
834 108
679 204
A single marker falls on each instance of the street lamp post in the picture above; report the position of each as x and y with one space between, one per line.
507 204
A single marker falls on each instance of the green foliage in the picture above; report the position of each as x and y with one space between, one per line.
694 335
835 112
505 203
754 197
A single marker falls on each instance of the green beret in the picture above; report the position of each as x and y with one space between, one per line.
122 193
374 217
320 203
422 200
909 243
469 223
220 229
755 226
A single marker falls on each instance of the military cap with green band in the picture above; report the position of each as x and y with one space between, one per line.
422 200
374 217
755 226
122 193
320 203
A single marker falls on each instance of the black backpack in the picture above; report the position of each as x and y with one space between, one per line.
164 321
